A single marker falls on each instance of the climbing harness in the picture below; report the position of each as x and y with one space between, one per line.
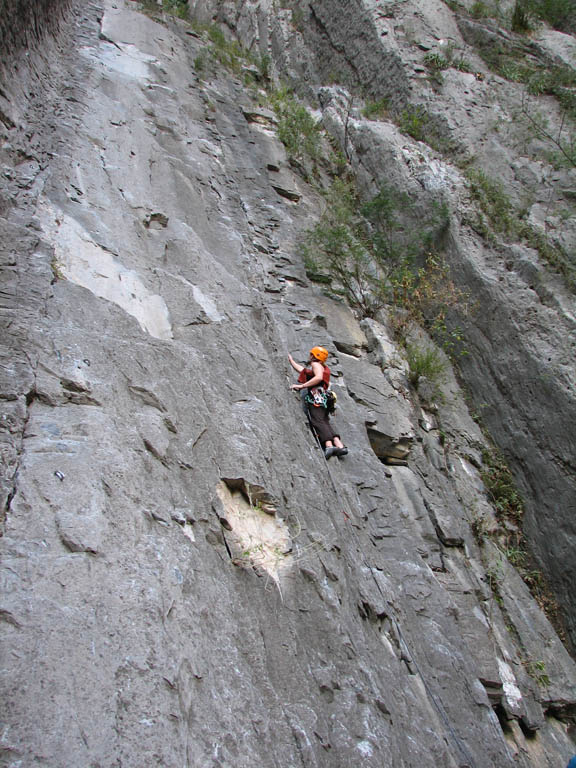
317 397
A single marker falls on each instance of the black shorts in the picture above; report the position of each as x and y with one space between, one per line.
320 421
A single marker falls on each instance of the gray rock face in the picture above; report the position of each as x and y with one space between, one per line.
521 337
185 580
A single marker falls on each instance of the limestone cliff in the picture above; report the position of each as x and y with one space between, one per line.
185 580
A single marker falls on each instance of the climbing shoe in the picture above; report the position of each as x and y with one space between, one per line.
341 451
328 452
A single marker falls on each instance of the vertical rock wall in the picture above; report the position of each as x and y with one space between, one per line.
520 370
24 24
185 580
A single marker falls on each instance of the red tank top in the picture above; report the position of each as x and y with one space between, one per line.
307 373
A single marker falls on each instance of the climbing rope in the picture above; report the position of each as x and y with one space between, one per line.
346 515
470 763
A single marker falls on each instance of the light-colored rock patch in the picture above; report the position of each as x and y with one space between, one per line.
259 538
82 261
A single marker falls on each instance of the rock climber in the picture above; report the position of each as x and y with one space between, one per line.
315 378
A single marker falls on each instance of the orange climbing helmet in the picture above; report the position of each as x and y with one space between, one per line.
319 353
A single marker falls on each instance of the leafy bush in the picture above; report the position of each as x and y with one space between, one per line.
560 14
537 670
503 218
427 362
338 244
297 129
229 53
415 121
514 60
493 201
501 487
522 17
428 294
375 110
437 62
482 10
370 251
174 7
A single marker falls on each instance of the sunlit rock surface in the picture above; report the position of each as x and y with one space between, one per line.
185 581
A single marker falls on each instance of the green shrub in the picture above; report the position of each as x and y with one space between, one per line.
436 61
428 294
200 62
414 121
560 14
462 65
228 53
492 200
338 246
176 8
481 10
537 670
376 110
522 17
263 64
370 252
297 129
427 362
501 487
515 61
503 218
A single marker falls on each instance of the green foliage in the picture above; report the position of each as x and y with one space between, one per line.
436 62
228 53
553 255
57 269
501 487
560 14
200 63
481 528
370 252
482 10
220 51
537 670
338 245
263 65
297 129
562 142
495 578
515 556
492 199
515 61
376 110
502 217
176 8
428 294
415 121
522 18
427 362
393 242
298 18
